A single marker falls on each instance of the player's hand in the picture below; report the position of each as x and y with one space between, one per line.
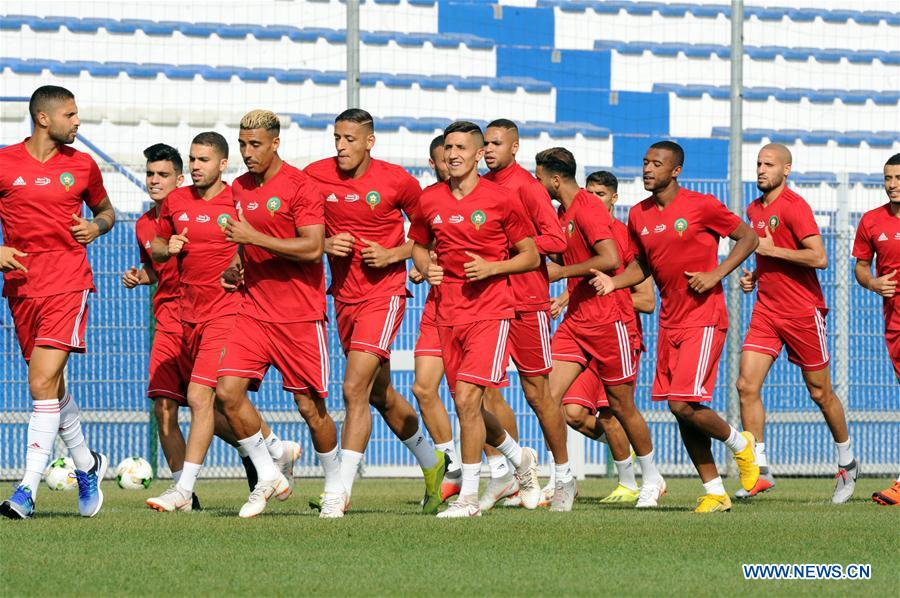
340 245
435 274
84 230
8 261
602 283
766 244
748 280
555 271
558 304
240 231
415 276
886 285
700 282
131 278
176 242
479 268
232 279
374 255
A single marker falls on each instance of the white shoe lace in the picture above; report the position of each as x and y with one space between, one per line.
559 495
648 492
259 492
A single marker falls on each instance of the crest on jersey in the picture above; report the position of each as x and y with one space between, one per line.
478 218
373 198
773 222
570 228
67 180
680 226
273 205
222 220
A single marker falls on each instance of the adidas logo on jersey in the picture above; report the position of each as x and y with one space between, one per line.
19 182
332 198
202 218
184 217
437 220
645 232
882 237
146 244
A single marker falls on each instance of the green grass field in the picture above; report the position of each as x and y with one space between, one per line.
384 547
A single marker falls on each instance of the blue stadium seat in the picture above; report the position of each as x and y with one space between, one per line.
804 15
643 8
813 178
763 52
235 31
818 137
292 75
260 75
13 22
711 10
765 13
838 16
625 172
886 98
312 121
85 25
159 28
759 93
182 71
391 124
327 77
104 69
141 71
198 29
751 135
786 136
69 68
674 10
829 55
864 56
47 23
593 131
427 125
272 32
869 180
792 94
801 54
376 38
892 58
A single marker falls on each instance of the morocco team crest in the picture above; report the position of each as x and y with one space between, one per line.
680 226
478 218
273 205
373 198
222 221
773 222
570 228
67 180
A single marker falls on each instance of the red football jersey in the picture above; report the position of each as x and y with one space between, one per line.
206 254
532 289
370 207
166 309
878 237
277 289
784 288
37 201
683 237
486 222
586 222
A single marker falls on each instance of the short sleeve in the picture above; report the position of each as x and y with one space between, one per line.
419 230
408 196
516 223
718 218
594 222
634 236
95 191
308 204
164 226
142 253
862 244
802 221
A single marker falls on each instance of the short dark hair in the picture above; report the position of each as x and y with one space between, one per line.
464 126
557 160
893 160
45 95
214 140
356 115
605 178
160 152
503 123
435 143
673 147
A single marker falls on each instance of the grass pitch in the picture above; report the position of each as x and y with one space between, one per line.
384 547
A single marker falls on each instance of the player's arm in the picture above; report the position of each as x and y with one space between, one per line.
643 298
636 272
526 259
307 246
746 241
549 238
85 231
422 258
376 256
812 255
606 257
886 285
558 304
134 277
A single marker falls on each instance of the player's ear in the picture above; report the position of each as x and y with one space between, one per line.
676 171
787 169
276 143
179 179
223 165
370 141
614 198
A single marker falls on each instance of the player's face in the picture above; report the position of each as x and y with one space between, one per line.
258 148
62 121
892 183
500 147
438 164
462 152
206 165
162 179
771 170
550 181
353 141
659 169
607 195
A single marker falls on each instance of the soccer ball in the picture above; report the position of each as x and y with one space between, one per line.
134 473
59 475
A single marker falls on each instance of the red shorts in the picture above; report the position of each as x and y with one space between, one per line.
892 338
687 361
205 341
370 326
587 391
429 343
529 340
170 367
805 337
57 321
476 353
299 350
614 348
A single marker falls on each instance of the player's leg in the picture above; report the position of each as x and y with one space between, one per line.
426 389
755 366
552 420
170 437
359 376
467 399
501 483
699 449
614 435
323 433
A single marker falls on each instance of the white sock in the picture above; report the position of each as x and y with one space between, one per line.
449 449
259 454
498 466
241 451
563 472
331 463
649 472
761 454
176 476
189 477
625 468
422 449
845 452
552 481
70 432
470 475
735 441
511 450
274 446
42 429
349 465
714 486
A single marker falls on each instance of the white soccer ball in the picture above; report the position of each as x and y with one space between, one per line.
59 475
134 473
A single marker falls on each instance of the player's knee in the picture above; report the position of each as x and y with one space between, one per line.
166 412
201 401
467 405
748 389
43 386
820 395
575 416
680 409
424 394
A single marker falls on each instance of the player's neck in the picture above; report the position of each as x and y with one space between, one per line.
894 208
567 192
208 193
462 186
271 171
360 170
41 147
665 196
772 194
